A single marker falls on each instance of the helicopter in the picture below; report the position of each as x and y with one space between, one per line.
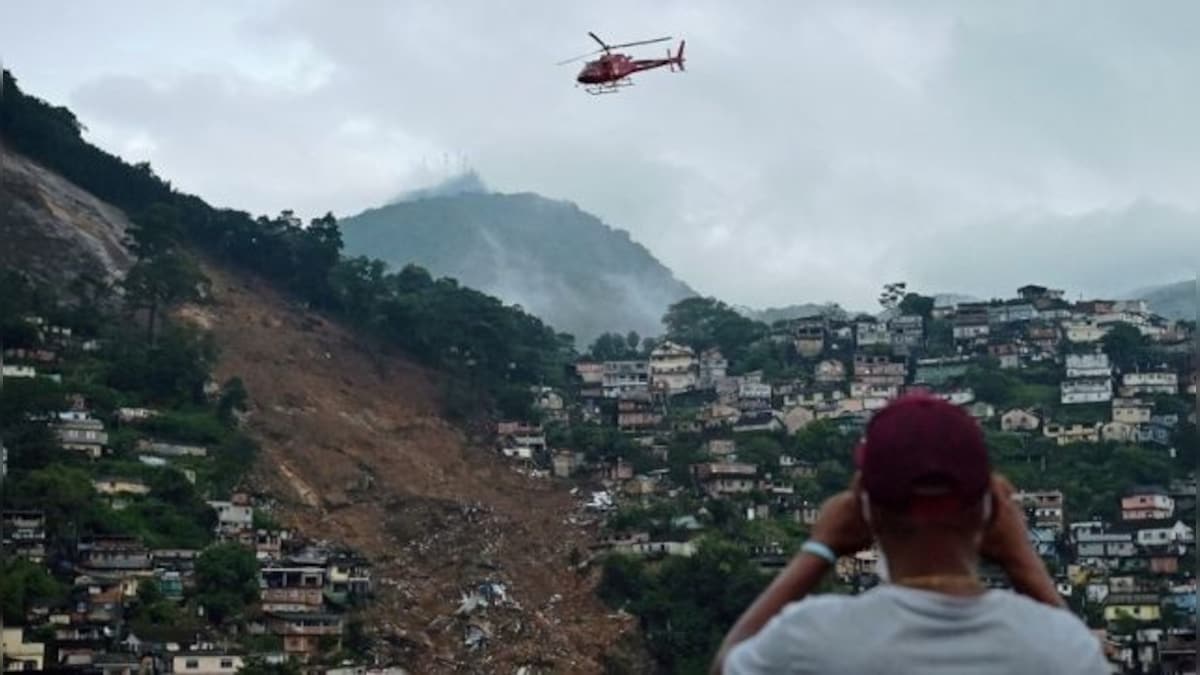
610 73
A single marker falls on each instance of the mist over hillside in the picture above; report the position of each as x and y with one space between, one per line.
551 257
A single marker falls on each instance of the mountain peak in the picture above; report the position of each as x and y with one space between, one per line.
467 182
557 261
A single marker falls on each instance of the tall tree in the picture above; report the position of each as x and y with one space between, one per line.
891 294
156 283
707 322
915 303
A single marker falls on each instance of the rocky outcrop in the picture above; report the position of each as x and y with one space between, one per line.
53 230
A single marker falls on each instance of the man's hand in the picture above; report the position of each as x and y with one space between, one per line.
840 524
1005 540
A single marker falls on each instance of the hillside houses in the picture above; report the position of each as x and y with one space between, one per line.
760 433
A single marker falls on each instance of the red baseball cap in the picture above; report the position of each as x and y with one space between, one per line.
922 449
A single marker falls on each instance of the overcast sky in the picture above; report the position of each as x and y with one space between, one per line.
813 150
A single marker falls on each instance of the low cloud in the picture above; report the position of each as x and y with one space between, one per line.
812 151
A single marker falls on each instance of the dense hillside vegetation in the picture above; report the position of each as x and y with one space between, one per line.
550 257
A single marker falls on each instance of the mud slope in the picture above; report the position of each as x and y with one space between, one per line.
355 450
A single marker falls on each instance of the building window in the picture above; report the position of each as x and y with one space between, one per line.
227 663
192 664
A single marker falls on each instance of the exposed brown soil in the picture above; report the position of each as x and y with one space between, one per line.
355 450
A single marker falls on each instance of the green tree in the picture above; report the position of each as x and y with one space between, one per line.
706 322
613 347
23 584
892 294
684 625
65 494
151 608
633 341
154 284
915 303
226 581
1125 345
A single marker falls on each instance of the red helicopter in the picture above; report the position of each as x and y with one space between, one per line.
609 73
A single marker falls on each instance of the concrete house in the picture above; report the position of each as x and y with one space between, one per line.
939 371
292 588
205 662
638 411
24 534
719 479
971 323
233 516
797 417
1007 353
114 553
808 336
164 449
302 631
1118 432
1064 434
713 368
830 371
1084 332
80 433
674 368
1043 508
1034 293
1090 390
1139 606
879 370
1164 533
1147 503
1088 365
870 332
907 333
1150 382
20 654
625 377
1131 411
1018 419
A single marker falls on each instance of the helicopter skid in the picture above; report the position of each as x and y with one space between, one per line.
609 88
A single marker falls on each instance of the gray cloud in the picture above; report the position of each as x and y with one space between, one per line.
811 152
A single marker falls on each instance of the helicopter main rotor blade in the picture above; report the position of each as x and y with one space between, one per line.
579 58
640 42
597 39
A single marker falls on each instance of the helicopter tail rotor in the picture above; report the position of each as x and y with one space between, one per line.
676 61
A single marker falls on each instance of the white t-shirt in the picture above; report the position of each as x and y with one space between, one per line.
892 629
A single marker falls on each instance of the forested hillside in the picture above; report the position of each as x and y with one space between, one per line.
496 348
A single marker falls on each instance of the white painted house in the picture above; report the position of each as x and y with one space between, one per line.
1091 390
1153 382
1165 534
1088 365
674 368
